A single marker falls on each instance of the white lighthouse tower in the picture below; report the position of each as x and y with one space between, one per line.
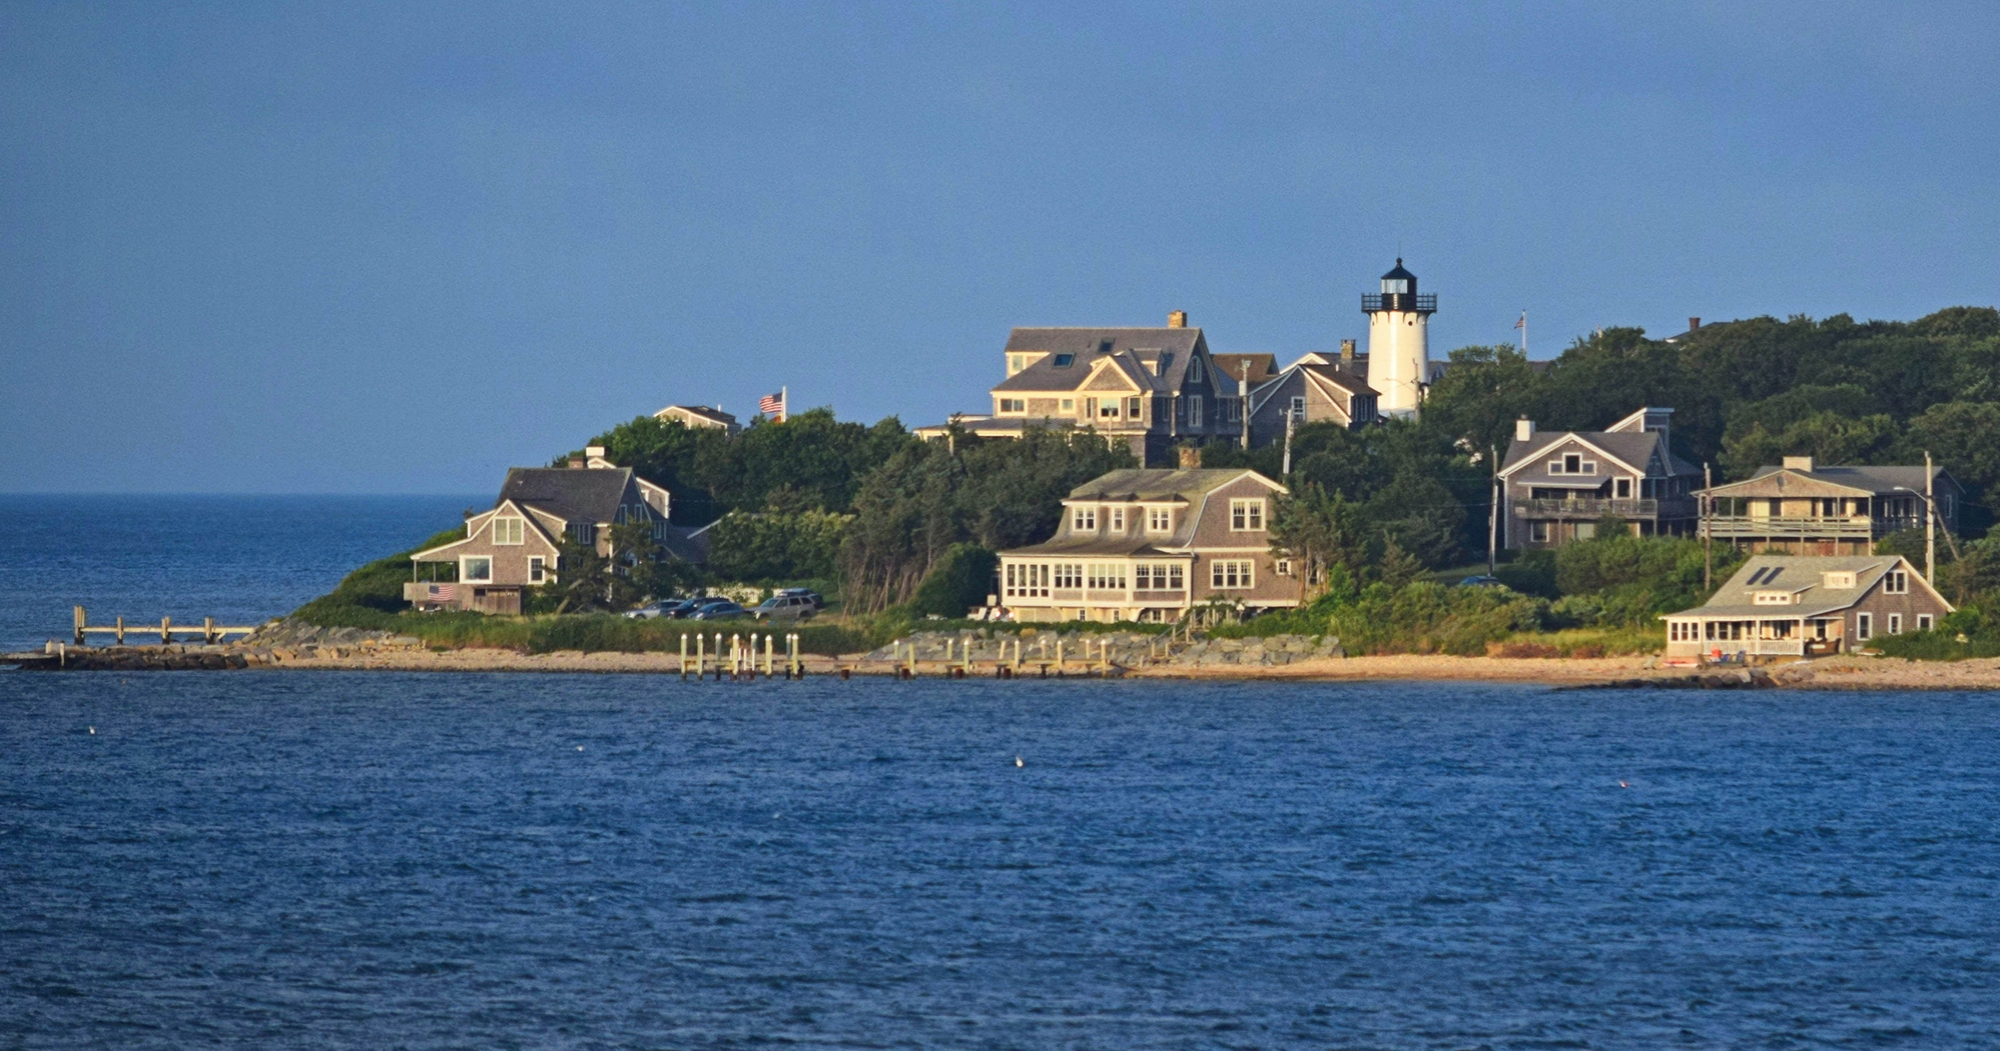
1399 353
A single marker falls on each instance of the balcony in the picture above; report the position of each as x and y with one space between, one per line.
1594 508
1854 527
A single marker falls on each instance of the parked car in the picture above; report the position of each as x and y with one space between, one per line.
1481 581
785 607
671 609
723 610
818 602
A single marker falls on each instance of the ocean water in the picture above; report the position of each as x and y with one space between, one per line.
278 859
239 559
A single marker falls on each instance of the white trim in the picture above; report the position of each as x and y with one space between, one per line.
465 575
1580 440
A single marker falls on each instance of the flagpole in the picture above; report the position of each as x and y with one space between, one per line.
785 402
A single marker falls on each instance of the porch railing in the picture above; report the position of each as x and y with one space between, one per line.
1596 507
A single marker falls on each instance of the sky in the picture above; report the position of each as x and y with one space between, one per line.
398 248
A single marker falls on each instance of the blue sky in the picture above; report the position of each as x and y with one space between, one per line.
397 248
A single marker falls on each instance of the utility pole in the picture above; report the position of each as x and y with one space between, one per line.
1930 524
1289 417
1707 531
1493 510
1243 399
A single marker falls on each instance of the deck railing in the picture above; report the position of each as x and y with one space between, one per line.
1595 507
1799 526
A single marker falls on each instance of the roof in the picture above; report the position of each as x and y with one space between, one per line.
1802 575
700 410
1116 546
1872 480
1158 484
1635 448
1139 347
688 545
1399 272
995 426
1339 377
1262 366
587 495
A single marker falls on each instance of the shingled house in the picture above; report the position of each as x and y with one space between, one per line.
1146 545
1310 390
1810 509
517 543
1807 607
1560 484
1149 388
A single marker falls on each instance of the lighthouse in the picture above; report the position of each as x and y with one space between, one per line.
1399 355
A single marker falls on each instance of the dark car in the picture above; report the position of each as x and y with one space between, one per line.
723 610
1482 581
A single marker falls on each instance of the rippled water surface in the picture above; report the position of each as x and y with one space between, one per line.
294 859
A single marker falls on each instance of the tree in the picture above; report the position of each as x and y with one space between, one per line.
1318 530
959 583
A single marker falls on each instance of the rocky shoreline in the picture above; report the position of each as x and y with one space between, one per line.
290 644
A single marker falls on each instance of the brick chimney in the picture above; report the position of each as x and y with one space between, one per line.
576 463
1177 319
1693 323
1190 457
1524 429
1347 353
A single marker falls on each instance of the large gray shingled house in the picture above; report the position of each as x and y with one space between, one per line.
1561 484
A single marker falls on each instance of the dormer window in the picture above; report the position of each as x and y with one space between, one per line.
1159 520
1117 517
1839 581
1083 520
1064 361
1772 598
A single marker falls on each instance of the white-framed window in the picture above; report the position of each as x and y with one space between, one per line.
1069 405
1282 567
1069 574
1194 410
1772 598
1016 362
538 571
1108 409
1246 516
1923 622
1083 520
1896 582
1026 580
1159 520
1895 623
583 532
1117 515
475 569
1158 576
1008 405
1135 408
507 531
1194 370
1106 576
1538 531
1299 406
1622 489
1839 581
1231 574
1864 625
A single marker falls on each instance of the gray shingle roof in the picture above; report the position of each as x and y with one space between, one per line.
1802 575
1870 479
1143 345
586 495
1156 484
1633 447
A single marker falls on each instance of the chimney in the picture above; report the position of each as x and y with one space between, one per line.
593 452
1177 319
1190 457
1347 353
576 463
1524 429
1693 323
1798 463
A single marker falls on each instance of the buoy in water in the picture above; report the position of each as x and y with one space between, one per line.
1018 762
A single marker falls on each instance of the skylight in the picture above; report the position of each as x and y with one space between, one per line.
1064 361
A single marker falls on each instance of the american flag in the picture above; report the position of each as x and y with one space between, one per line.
773 404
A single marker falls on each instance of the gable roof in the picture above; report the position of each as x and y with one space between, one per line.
1160 484
1634 449
576 495
1140 349
1802 575
1229 366
1869 480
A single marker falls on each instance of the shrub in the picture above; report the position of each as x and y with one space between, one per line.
961 581
1427 617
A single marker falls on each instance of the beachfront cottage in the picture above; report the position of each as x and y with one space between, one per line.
1813 509
1148 389
1560 485
517 544
1146 545
1807 606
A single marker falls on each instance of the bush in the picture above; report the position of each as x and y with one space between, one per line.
961 581
1427 617
371 596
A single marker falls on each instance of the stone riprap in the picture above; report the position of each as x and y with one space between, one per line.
1124 649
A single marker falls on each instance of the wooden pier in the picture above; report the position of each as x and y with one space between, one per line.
209 631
